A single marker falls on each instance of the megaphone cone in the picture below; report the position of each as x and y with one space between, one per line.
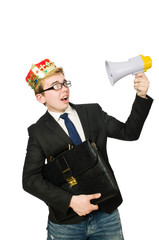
118 70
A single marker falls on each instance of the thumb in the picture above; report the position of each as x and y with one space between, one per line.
94 196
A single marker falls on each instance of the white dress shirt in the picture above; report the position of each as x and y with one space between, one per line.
73 116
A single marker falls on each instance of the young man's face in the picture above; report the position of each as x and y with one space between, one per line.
55 100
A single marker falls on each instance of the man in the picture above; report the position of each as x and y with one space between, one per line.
50 135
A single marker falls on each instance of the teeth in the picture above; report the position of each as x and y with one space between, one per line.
64 98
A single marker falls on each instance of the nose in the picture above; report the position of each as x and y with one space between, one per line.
64 88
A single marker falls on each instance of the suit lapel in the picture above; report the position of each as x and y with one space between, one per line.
57 129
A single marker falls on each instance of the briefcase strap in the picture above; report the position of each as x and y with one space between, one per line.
66 170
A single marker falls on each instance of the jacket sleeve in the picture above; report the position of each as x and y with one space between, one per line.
131 129
35 184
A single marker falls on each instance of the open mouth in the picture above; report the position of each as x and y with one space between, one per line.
64 99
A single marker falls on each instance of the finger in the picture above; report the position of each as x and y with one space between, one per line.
142 74
141 89
95 207
137 85
140 80
94 196
92 207
81 214
141 83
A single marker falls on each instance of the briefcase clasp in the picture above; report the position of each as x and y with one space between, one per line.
72 181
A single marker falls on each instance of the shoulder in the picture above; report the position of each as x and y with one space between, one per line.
87 106
37 125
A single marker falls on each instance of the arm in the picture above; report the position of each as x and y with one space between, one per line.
54 196
35 184
131 129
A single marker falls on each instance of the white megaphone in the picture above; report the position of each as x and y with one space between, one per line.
118 70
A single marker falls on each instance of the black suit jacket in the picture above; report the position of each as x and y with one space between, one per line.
47 138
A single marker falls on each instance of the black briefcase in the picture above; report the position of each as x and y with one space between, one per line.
81 170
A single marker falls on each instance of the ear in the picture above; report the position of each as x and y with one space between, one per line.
40 98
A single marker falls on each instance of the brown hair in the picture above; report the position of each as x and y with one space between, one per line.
39 86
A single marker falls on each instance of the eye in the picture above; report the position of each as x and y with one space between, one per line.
57 86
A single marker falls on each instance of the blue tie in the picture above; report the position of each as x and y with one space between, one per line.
71 129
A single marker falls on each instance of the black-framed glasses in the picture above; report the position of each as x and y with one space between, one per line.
58 86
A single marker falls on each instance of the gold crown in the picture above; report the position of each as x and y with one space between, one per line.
39 71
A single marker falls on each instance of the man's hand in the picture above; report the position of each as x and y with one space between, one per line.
141 84
81 203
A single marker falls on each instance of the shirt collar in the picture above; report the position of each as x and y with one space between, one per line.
57 115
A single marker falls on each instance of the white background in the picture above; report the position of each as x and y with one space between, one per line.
79 36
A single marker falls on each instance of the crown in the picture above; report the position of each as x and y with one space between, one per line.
39 71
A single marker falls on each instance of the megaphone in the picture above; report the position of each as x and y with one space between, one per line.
118 70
